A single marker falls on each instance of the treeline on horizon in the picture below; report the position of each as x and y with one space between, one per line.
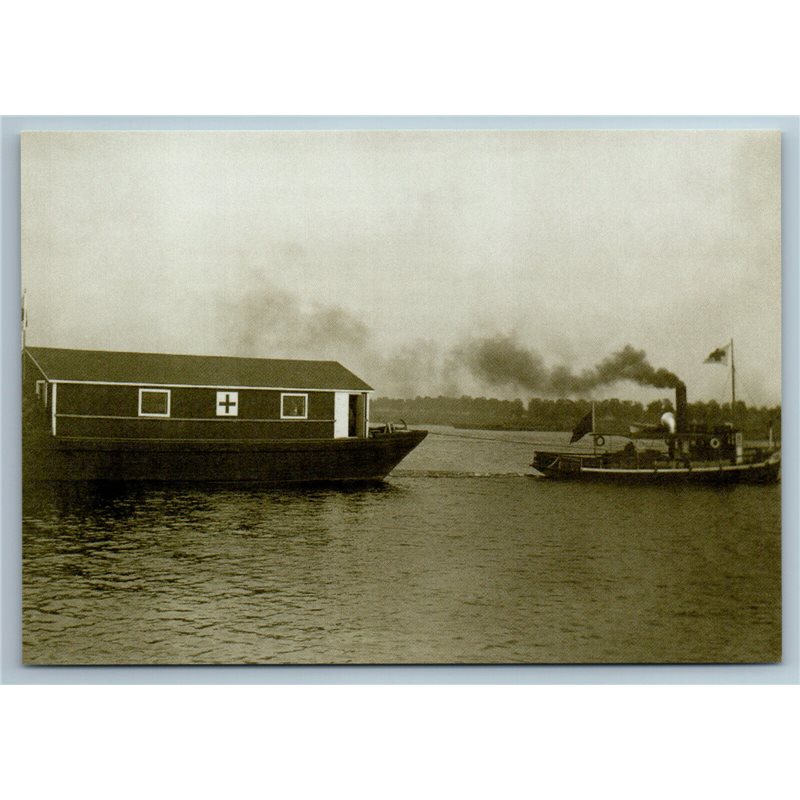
611 416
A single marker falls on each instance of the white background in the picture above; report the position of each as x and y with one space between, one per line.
410 58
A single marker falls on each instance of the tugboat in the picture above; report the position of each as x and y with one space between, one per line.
682 453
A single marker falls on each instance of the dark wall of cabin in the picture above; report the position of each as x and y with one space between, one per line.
89 410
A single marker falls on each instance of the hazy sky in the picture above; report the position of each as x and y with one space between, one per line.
389 251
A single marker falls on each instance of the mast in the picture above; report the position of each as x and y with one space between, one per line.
737 435
594 438
24 321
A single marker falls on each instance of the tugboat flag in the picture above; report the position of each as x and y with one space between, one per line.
718 356
583 427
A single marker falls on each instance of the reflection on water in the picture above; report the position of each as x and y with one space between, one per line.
434 566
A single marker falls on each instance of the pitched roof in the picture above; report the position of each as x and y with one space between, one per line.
106 366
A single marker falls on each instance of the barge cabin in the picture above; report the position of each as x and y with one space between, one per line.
98 415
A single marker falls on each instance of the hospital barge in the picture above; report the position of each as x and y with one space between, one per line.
115 416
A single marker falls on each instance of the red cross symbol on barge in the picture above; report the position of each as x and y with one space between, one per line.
227 404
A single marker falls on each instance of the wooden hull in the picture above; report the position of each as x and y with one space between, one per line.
270 462
760 472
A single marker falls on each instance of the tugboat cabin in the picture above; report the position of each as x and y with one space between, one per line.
105 395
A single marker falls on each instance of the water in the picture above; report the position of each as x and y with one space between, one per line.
460 557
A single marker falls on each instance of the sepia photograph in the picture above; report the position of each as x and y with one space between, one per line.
401 397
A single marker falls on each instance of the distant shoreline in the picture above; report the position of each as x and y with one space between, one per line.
613 416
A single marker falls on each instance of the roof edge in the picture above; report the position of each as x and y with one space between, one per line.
350 382
183 355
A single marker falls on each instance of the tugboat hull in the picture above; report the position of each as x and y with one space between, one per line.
575 468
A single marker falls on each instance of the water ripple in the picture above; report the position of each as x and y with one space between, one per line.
427 568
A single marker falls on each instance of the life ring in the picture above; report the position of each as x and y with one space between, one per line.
599 440
714 443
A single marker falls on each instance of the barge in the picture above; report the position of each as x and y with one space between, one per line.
93 415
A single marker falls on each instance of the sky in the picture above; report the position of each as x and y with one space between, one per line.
413 257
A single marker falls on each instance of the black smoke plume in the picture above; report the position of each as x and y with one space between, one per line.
501 361
273 323
270 322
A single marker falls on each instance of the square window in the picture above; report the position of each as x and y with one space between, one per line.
227 404
154 402
294 406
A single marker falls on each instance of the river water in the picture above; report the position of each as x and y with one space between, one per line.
459 557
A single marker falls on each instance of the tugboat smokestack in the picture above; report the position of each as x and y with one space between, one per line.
681 421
